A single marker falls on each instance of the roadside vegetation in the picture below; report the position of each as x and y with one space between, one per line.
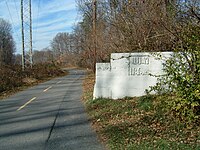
144 123
12 78
170 119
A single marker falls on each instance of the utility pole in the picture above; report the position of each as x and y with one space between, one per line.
26 25
95 33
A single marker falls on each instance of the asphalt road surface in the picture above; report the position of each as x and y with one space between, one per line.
49 116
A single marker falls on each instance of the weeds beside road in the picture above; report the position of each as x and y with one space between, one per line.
138 123
12 78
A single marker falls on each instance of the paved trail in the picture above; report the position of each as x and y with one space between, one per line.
49 116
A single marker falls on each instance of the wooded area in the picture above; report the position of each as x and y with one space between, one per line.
126 26
167 119
121 26
109 26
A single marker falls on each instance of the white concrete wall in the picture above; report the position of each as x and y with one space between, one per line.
127 74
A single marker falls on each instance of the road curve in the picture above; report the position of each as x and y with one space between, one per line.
49 116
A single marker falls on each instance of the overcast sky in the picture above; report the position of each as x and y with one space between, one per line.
49 18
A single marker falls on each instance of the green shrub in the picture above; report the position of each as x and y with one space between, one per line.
182 78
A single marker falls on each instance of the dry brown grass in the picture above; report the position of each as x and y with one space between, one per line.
13 79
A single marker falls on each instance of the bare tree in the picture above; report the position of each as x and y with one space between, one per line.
131 25
7 44
61 44
43 56
65 47
90 47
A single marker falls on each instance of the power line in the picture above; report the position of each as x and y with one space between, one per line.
37 22
14 27
17 11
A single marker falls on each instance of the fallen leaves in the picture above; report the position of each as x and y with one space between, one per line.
124 124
